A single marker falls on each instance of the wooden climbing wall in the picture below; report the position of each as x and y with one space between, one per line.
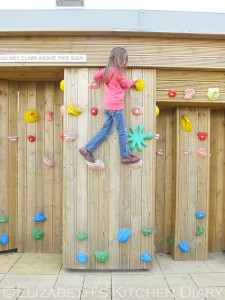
165 191
199 181
192 184
217 182
27 184
102 202
8 162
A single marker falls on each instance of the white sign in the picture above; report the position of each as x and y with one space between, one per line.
40 58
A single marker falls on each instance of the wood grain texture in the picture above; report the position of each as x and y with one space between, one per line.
102 202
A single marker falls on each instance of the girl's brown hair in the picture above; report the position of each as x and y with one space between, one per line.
116 60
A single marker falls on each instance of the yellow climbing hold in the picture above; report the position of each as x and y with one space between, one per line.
157 111
73 110
62 85
186 123
139 84
31 116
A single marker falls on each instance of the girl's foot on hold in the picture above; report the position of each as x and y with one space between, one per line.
87 154
131 159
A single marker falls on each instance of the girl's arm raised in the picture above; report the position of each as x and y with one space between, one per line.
125 84
99 76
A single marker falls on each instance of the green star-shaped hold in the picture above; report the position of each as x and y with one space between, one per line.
137 138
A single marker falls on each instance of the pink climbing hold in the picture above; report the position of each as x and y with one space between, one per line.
48 162
97 165
137 110
201 152
188 94
186 151
159 151
49 116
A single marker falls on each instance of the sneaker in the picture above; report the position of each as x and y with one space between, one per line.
87 154
131 159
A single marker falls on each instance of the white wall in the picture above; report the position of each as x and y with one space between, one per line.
172 5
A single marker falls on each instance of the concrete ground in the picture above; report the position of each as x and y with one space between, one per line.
41 276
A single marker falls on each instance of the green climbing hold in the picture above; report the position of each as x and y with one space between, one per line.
101 256
37 234
170 241
82 235
4 219
146 231
200 230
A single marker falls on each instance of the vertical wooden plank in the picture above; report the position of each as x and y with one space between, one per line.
82 121
182 183
40 166
169 180
57 171
70 172
135 98
193 114
94 124
12 164
219 183
30 169
48 171
125 194
104 191
4 144
160 180
22 174
148 169
203 184
213 180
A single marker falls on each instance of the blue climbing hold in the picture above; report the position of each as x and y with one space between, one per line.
4 239
39 217
81 257
183 246
123 235
146 256
199 214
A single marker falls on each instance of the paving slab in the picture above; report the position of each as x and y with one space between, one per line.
38 263
97 286
215 293
183 287
209 279
168 265
7 261
1 276
155 269
140 286
71 281
9 293
28 281
216 262
50 294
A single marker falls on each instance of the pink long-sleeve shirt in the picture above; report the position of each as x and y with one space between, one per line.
115 87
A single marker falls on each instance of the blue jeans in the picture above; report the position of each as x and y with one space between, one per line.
117 117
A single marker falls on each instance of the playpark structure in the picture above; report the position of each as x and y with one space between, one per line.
114 217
